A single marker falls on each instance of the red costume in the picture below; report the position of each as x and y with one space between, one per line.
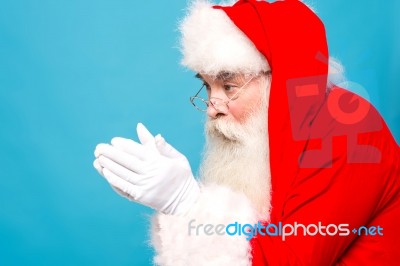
333 159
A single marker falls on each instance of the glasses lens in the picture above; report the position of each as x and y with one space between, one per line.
199 103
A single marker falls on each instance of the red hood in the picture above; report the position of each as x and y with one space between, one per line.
297 52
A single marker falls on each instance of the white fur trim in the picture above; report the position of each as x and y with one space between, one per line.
216 205
336 72
212 43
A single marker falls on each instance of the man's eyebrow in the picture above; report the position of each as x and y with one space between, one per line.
225 75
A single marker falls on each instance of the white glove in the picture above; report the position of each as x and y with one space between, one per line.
152 173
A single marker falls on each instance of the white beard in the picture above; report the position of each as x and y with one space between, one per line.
237 155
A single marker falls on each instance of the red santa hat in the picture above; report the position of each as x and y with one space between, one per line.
211 42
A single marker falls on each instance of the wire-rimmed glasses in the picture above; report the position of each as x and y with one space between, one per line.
220 105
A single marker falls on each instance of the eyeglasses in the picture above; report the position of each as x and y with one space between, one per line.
218 104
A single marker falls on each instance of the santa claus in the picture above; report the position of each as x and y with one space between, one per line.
296 170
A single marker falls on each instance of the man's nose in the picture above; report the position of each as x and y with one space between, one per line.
215 108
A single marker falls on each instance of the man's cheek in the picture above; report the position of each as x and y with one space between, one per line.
239 114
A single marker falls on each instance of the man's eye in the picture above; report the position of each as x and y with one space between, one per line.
230 87
208 88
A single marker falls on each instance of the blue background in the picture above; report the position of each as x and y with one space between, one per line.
77 73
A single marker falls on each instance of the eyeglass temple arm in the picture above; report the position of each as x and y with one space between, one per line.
230 99
197 93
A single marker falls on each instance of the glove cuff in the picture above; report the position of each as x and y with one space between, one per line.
189 197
